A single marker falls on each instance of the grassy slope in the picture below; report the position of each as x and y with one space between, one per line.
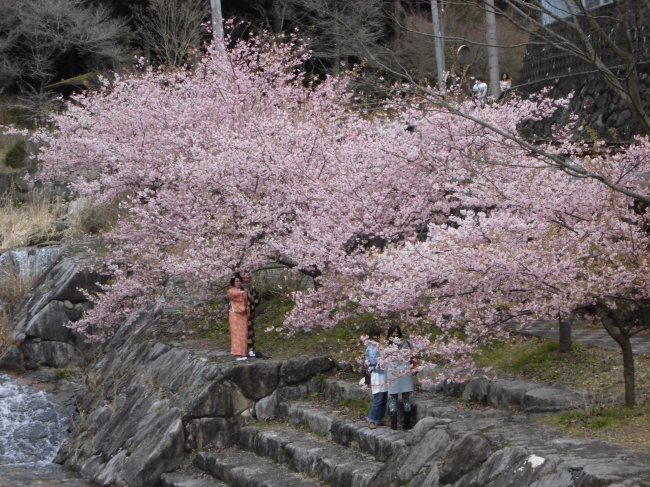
586 368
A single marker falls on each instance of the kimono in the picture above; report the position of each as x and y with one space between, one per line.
238 319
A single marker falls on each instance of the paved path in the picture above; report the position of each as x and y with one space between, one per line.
586 336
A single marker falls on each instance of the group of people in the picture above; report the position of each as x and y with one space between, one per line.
480 88
243 299
388 384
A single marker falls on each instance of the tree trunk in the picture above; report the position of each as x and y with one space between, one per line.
565 334
628 371
397 7
619 333
336 60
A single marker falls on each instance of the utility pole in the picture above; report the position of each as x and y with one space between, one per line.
217 19
493 51
438 40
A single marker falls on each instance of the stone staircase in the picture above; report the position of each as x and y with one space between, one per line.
449 445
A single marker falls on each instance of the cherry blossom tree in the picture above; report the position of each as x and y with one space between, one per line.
422 211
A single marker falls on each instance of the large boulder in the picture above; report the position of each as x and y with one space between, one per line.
60 282
217 400
52 354
552 399
506 393
348 391
463 456
299 368
30 262
477 390
83 279
501 462
256 380
268 407
430 449
49 323
10 359
157 447
25 179
97 419
210 432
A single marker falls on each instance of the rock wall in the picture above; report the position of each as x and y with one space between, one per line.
150 404
38 322
602 113
21 185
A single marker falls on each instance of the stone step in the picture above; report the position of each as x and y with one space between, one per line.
501 393
379 443
335 390
189 478
334 464
437 405
244 469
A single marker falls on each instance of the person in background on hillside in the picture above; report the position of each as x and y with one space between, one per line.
255 300
480 92
238 312
400 380
377 380
506 83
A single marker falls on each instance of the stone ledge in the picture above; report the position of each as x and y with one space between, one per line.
244 469
505 393
189 478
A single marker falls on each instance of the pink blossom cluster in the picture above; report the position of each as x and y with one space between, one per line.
455 226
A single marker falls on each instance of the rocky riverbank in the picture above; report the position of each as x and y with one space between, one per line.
155 411
157 407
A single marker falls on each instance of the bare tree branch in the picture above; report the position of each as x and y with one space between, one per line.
37 35
543 156
172 29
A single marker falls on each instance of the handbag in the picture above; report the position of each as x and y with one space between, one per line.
414 364
366 376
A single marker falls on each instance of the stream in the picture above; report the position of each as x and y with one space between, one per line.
32 429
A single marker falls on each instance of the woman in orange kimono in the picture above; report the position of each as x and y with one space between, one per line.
238 317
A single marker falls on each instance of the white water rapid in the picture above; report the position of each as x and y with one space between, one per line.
31 427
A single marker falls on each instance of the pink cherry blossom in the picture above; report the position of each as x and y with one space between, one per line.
453 227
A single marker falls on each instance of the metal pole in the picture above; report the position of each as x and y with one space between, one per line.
493 52
438 40
441 18
217 19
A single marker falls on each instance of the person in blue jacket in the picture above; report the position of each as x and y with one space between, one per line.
377 380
